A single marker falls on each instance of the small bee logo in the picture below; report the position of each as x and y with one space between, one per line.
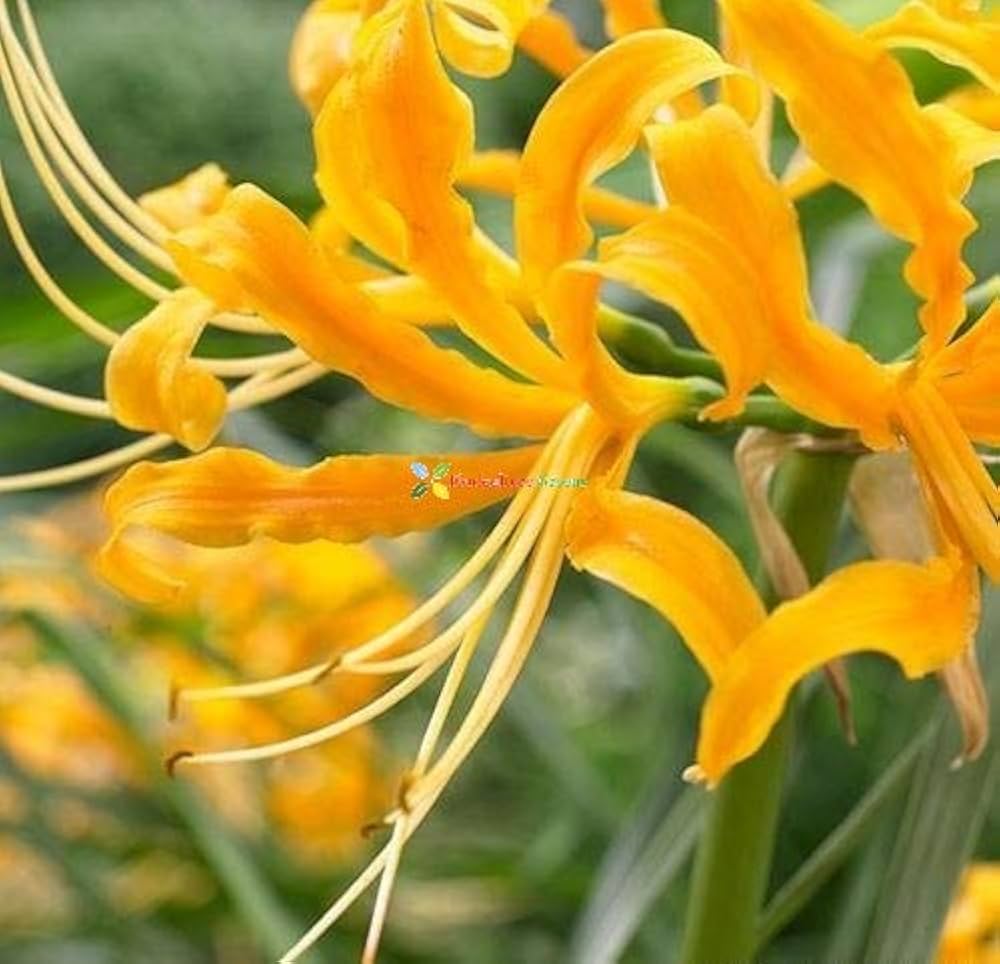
430 481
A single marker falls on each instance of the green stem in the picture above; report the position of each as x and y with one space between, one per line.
734 856
648 349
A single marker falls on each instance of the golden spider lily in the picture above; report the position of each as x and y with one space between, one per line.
970 930
394 141
266 607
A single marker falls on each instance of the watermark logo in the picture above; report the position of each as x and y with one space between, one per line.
441 481
430 480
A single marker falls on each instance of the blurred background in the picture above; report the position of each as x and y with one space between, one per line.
569 834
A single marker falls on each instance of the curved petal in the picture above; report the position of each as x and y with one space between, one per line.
967 375
190 200
321 49
551 40
972 43
478 36
152 382
711 169
678 260
390 141
590 124
669 559
256 256
498 171
952 470
855 111
977 104
569 306
969 118
923 616
627 16
974 144
229 497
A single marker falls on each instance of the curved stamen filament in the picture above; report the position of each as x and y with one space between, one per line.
384 864
52 398
262 387
35 103
532 604
365 714
509 566
86 468
63 303
97 246
74 137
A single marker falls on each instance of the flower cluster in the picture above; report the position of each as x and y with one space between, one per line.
394 142
251 611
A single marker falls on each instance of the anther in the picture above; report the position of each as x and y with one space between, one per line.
170 764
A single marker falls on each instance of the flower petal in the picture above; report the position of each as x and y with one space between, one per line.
321 49
390 142
627 16
923 616
855 111
550 39
478 36
498 172
677 259
190 200
972 43
152 382
951 468
670 560
570 306
711 169
229 497
256 256
590 124
967 375
974 144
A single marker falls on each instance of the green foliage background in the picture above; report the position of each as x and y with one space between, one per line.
568 815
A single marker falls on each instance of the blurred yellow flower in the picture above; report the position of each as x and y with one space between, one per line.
262 609
972 928
394 136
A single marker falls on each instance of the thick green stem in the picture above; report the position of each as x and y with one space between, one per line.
648 349
734 856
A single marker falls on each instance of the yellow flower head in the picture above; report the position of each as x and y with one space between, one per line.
394 138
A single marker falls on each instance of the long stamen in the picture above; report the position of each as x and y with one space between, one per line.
74 137
509 566
262 387
365 714
388 857
34 101
107 255
85 468
428 744
52 398
532 604
394 853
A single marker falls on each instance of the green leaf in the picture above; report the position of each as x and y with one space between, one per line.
440 471
943 817
940 826
419 490
833 852
643 860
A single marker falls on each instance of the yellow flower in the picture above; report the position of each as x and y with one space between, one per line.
266 609
394 138
970 929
